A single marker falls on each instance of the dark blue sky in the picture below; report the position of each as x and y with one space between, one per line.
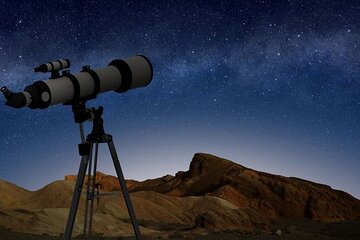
272 85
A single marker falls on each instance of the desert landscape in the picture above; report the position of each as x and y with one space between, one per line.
215 199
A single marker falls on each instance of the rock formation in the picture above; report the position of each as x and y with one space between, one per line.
215 194
272 195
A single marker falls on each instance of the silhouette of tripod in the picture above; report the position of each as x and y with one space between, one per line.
97 135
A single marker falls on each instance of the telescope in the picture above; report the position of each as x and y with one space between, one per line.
75 89
119 76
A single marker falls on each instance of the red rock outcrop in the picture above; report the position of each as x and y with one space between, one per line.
105 182
215 194
271 195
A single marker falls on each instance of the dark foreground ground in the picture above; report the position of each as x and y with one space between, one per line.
289 230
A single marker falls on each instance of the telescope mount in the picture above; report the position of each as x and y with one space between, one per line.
86 147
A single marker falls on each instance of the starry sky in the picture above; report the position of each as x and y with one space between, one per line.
271 85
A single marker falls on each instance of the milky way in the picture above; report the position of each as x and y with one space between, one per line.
272 85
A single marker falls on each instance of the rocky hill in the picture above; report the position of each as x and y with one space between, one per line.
215 194
272 195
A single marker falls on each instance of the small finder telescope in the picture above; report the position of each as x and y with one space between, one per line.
119 76
53 66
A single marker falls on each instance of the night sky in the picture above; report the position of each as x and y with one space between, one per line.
271 85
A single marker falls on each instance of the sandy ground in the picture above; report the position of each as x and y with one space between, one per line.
292 230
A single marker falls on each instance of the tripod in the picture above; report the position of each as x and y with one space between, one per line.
97 135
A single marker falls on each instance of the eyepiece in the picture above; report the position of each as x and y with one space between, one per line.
3 89
16 100
7 93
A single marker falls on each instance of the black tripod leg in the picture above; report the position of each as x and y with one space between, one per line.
85 231
93 188
76 196
124 189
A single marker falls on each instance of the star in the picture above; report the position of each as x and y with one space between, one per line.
284 75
